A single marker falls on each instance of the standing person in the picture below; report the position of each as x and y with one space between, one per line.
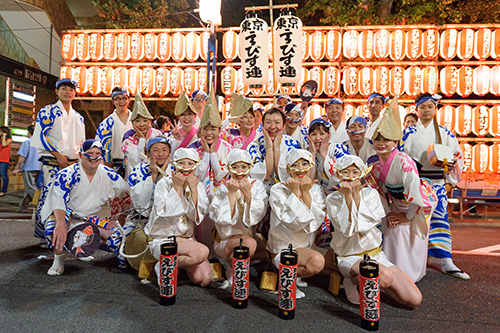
29 165
5 158
410 119
241 113
293 124
111 130
59 132
334 110
258 111
184 132
358 144
415 142
283 101
376 103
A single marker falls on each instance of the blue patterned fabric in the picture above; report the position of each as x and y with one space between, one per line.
104 134
440 235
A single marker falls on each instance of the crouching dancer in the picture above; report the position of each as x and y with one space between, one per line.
355 211
79 194
181 202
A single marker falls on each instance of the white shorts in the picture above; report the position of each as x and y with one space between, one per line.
155 245
345 263
220 248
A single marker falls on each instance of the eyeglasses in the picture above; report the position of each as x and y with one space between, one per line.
118 99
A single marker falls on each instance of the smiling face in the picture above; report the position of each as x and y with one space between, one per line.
299 168
318 137
350 173
273 123
199 102
257 119
247 120
239 170
121 102
293 115
209 133
410 121
185 166
281 103
187 118
93 162
356 127
66 94
426 111
384 146
160 152
142 124
334 112
375 107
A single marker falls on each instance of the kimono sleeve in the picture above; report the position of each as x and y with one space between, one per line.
141 186
168 204
258 154
104 134
220 210
453 175
258 205
43 127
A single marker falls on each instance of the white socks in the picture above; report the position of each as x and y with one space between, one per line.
301 283
299 294
351 291
57 267
448 267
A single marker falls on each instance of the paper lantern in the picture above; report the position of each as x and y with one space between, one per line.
148 87
270 46
109 47
430 44
204 37
150 42
107 76
495 80
480 120
413 81
314 111
303 78
481 80
258 91
136 46
350 44
414 44
120 77
464 121
465 81
316 74
396 81
350 80
178 47
332 81
66 72
398 45
94 79
68 47
495 44
192 46
448 80
134 80
82 47
254 53
306 45
287 49
448 44
228 80
465 46
494 158
480 155
230 46
123 47
318 45
382 44
202 78
162 81
366 44
96 47
467 153
412 108
349 111
362 110
190 83
176 77
494 119
242 88
446 117
365 81
430 79
482 41
164 47
272 87
381 80
333 45
81 78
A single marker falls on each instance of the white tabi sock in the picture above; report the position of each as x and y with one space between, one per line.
57 267
351 291
299 294
301 283
448 267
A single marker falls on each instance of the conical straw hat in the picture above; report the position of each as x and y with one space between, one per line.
210 112
140 108
390 125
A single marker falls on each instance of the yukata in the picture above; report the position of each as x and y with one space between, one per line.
365 152
416 139
327 167
398 183
372 126
292 222
338 135
185 140
132 147
174 215
245 217
300 134
83 201
57 130
110 132
236 138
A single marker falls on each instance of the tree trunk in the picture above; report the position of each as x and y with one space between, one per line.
385 8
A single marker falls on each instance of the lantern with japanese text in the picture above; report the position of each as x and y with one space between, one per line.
350 80
80 77
333 45
465 81
82 47
134 80
190 83
430 44
136 46
243 88
366 44
494 118
480 121
94 78
448 79
178 47
396 81
362 110
230 46
413 81
446 117
192 46
204 37
381 80
495 44
287 49
68 47
465 46
164 47
480 155
123 47
464 121
148 81
448 44
306 45
303 78
467 153
481 80
107 84
494 165
382 43
316 74
270 46
318 45
109 47
176 78
314 111
272 87
66 72
254 51
349 111
202 78
228 80
350 44
482 40
150 40
120 77
430 80
413 44
332 81
412 108
96 47
162 81
258 91
495 80
365 81
398 45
